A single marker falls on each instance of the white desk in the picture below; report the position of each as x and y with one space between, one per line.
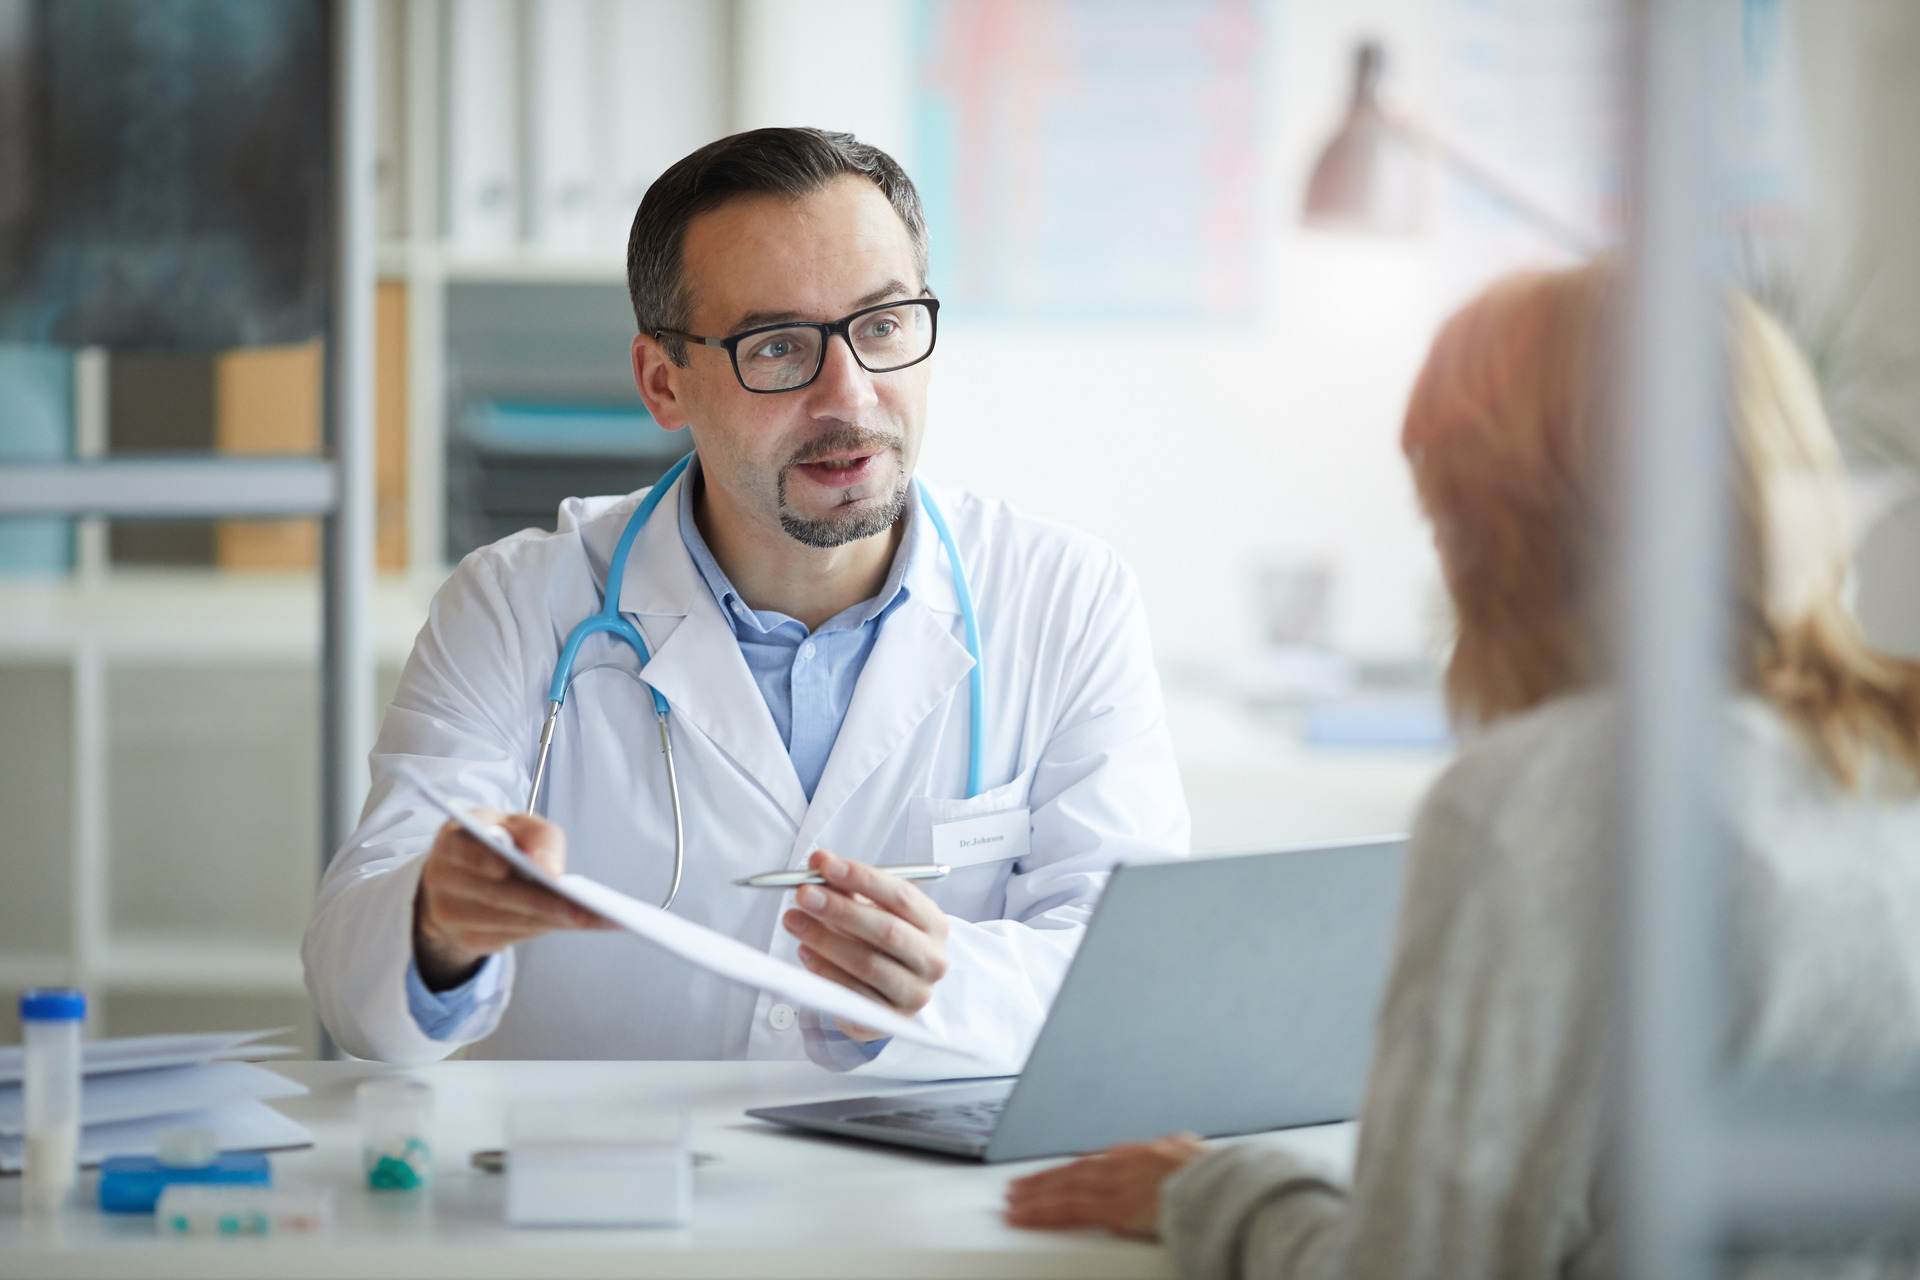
775 1203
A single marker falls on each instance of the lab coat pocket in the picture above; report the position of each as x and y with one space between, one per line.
982 839
993 827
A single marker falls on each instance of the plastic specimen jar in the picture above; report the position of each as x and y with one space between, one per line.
394 1145
51 1021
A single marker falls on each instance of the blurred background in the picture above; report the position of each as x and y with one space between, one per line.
1149 330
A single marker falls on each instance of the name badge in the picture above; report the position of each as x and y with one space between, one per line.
993 837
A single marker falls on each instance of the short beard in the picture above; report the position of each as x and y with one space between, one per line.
861 522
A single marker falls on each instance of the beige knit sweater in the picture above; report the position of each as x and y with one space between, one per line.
1481 1136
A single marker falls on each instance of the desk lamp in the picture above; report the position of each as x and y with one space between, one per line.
1368 175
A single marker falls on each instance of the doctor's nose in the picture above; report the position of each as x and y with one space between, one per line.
843 390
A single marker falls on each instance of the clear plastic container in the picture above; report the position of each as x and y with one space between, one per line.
186 1210
51 1020
395 1148
598 1164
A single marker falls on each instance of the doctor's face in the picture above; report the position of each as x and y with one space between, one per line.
827 463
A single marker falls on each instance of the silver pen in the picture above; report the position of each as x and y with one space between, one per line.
794 879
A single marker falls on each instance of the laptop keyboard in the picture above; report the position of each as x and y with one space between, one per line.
964 1119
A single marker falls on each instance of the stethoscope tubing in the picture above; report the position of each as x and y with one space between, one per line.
608 620
976 680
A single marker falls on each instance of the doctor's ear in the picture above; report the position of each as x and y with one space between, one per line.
654 373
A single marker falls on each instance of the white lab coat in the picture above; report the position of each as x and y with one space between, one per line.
1075 731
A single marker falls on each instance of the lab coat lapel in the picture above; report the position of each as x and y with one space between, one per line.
696 658
915 664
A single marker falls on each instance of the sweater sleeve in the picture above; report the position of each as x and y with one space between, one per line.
1478 1134
1209 1207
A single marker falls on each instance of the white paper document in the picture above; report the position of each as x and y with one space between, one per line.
711 950
139 1053
136 1095
238 1126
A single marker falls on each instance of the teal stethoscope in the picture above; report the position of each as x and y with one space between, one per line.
609 620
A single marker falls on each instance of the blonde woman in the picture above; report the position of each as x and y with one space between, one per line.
1482 1138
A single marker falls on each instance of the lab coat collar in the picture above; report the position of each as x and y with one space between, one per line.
696 659
928 579
915 663
729 597
662 580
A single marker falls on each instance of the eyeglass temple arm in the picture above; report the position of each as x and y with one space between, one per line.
690 337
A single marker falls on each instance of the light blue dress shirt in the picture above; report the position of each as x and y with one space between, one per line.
807 679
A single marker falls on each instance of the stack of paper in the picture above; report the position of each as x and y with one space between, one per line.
137 1086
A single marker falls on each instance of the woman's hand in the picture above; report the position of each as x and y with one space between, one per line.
1118 1189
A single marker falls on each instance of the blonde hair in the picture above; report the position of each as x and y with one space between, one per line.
1506 433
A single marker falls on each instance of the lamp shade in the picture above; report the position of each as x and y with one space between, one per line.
1368 177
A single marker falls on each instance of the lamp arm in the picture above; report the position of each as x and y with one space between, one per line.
1565 234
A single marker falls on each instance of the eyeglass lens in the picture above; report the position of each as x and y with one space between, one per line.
886 339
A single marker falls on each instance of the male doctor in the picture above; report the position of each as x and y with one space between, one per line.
805 627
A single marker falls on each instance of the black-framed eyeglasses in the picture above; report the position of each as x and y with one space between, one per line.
788 356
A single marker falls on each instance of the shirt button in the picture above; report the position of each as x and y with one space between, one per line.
780 1017
806 650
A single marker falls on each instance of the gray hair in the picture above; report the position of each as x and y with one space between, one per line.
783 162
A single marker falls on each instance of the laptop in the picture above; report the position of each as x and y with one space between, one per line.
1232 993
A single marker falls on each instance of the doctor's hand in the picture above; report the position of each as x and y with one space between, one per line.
871 932
470 904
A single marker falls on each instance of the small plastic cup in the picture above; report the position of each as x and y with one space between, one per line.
395 1149
186 1147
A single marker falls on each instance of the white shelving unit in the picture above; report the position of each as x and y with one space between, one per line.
192 625
414 252
80 637
92 634
194 629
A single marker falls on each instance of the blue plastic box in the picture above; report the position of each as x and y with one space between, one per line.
132 1184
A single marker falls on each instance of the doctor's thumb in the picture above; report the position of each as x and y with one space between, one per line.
539 839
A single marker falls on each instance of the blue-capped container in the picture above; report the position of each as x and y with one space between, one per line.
132 1184
51 1019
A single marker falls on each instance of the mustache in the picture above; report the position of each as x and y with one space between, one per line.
843 437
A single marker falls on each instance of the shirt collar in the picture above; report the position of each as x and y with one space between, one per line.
893 592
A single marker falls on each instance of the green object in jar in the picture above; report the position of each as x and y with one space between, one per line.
403 1172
